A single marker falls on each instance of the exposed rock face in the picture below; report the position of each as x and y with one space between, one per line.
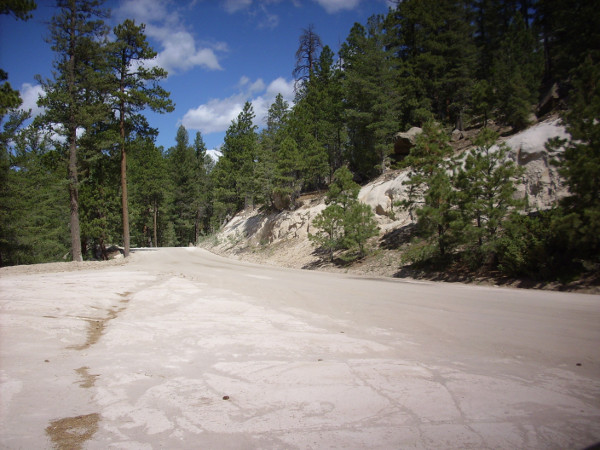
403 142
541 184
382 194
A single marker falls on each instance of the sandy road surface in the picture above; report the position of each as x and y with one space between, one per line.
183 349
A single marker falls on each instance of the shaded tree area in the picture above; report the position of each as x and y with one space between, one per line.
79 144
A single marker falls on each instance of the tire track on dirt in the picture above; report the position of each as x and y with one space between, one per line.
74 432
96 327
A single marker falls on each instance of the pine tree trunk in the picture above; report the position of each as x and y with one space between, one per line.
155 223
124 201
197 226
72 139
74 198
124 170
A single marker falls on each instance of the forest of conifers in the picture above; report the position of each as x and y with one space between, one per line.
437 64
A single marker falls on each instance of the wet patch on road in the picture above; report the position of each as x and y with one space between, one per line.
73 432
87 379
96 326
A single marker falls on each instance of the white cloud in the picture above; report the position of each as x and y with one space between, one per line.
260 12
251 88
270 20
217 114
232 6
333 6
30 94
214 116
283 87
178 50
144 11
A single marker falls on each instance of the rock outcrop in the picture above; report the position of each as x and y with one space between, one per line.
286 233
541 182
403 142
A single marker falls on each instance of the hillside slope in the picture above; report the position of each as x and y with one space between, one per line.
282 238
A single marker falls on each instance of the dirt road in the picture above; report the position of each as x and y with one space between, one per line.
179 348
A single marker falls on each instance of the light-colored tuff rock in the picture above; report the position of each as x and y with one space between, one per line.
541 182
286 233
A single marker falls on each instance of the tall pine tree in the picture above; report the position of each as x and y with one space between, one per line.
372 100
135 88
74 96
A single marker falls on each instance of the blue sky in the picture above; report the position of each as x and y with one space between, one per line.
219 53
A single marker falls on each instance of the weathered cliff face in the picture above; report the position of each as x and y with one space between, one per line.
283 237
541 181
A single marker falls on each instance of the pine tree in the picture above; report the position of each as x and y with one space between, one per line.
570 32
34 207
151 193
99 192
434 43
8 197
184 170
326 94
73 98
273 190
346 223
372 101
233 176
486 185
303 127
404 39
492 19
431 194
359 227
202 187
224 196
135 88
330 229
580 163
516 74
286 186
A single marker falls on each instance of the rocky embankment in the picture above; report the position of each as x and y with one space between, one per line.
282 238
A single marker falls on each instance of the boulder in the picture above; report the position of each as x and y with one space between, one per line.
403 142
530 145
550 100
457 135
281 201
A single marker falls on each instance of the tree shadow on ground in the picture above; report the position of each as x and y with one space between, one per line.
324 259
252 225
398 237
455 272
